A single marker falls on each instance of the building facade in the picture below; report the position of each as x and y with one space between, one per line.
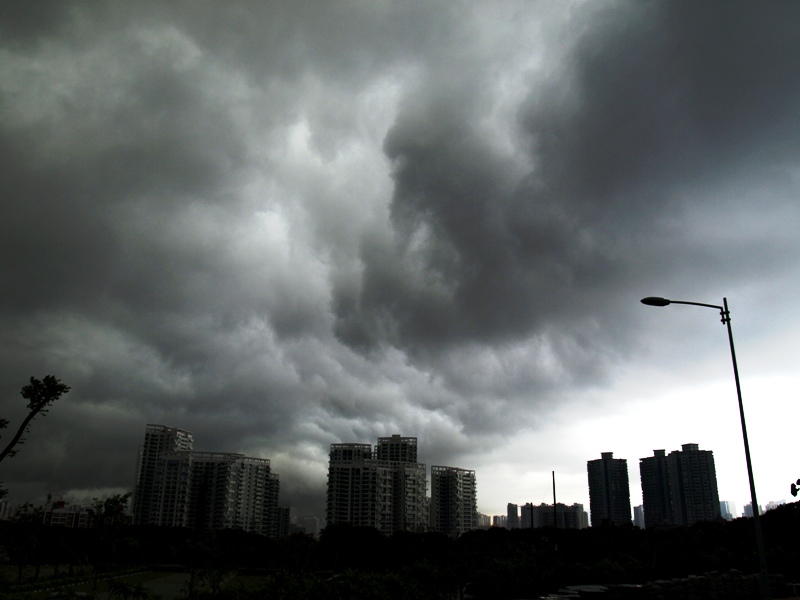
679 488
693 485
454 508
206 490
384 488
512 516
609 491
727 509
638 516
656 492
562 516
158 440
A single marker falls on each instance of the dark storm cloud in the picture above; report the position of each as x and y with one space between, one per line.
653 103
284 225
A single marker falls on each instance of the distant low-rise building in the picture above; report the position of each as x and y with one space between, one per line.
57 513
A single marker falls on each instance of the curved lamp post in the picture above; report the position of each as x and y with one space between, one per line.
726 320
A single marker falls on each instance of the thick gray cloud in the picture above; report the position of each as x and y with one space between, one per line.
286 225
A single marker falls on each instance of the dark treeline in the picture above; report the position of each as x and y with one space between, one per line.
353 562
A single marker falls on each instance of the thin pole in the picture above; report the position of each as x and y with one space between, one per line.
762 558
555 510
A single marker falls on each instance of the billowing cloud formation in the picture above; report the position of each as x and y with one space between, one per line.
286 225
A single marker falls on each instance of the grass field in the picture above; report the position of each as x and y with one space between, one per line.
164 583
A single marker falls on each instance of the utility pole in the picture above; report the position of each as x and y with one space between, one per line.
555 510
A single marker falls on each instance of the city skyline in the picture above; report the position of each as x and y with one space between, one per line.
176 443
282 227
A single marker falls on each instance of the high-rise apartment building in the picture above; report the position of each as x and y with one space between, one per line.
693 485
656 493
385 488
747 512
679 488
609 492
207 490
454 508
638 516
727 510
397 449
512 516
158 439
563 516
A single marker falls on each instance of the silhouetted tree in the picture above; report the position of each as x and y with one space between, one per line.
109 512
22 538
40 394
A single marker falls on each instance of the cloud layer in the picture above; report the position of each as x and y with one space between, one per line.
286 225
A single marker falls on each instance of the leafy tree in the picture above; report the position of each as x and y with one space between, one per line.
40 394
110 511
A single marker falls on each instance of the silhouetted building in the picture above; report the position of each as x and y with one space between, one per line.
158 439
563 516
311 525
397 449
693 485
748 510
609 493
386 489
526 516
679 489
656 493
454 507
512 516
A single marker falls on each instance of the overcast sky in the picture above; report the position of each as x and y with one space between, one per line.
282 225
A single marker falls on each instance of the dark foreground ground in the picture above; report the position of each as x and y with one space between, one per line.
715 560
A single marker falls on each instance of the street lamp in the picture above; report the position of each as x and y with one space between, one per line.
726 320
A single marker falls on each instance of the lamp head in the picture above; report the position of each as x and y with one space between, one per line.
655 301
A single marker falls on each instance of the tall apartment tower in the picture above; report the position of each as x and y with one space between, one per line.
351 485
512 516
158 439
454 507
203 490
727 509
638 516
385 488
693 485
609 492
656 493
397 449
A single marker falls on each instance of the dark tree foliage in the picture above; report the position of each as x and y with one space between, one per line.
109 512
358 562
40 394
